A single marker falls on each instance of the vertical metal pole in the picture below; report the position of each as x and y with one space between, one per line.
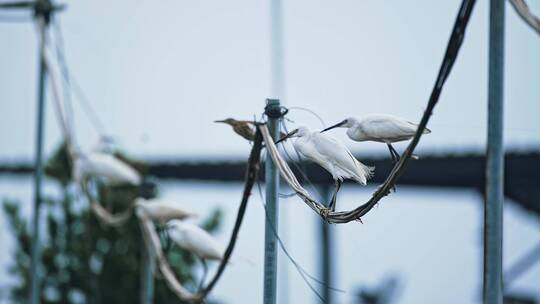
326 252
493 208
147 275
277 90
38 169
273 111
276 52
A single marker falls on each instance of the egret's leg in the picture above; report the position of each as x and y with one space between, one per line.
332 205
332 201
391 152
339 187
396 154
395 158
205 271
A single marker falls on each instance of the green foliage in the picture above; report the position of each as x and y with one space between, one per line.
84 261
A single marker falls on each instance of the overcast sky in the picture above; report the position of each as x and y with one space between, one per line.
159 73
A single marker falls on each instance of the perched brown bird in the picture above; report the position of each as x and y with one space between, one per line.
244 128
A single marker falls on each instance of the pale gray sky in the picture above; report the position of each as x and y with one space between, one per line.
159 73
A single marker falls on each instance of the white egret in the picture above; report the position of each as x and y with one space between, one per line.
382 128
162 211
197 241
332 155
106 166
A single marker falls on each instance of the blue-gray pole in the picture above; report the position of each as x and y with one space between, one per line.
277 68
326 251
38 169
271 177
493 208
277 90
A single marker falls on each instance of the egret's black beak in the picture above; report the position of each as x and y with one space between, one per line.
335 126
287 136
223 121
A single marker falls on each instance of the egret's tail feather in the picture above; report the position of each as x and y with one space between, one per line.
370 171
364 174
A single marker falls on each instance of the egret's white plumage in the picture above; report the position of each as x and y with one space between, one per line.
162 211
382 128
106 166
332 155
195 239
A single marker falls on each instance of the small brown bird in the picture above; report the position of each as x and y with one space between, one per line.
243 128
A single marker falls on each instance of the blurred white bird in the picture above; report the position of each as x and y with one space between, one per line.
106 166
332 155
162 211
382 128
197 241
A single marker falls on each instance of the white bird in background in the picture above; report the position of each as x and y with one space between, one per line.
162 211
197 241
382 128
332 155
106 166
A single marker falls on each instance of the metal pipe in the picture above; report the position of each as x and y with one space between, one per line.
277 69
277 90
326 252
38 167
273 111
493 208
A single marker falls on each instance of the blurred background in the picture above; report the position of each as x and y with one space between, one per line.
157 74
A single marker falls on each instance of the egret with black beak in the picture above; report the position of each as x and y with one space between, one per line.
382 128
332 155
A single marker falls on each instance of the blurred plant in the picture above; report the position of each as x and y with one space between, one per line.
84 261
